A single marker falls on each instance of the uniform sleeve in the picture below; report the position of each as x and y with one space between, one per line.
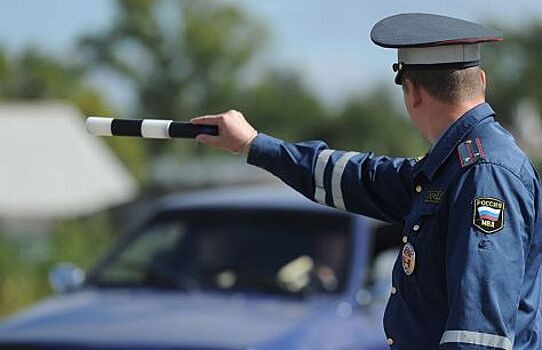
491 215
379 187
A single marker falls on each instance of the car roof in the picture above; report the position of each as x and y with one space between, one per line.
245 197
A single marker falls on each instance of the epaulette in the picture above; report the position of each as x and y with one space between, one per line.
470 152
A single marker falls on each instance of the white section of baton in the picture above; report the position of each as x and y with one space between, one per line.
319 170
439 54
336 179
99 126
484 339
155 128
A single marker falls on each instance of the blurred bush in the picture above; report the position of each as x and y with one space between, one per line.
25 259
514 69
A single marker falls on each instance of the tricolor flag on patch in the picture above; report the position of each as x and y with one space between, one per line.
488 214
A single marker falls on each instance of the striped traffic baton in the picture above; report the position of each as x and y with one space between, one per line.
147 128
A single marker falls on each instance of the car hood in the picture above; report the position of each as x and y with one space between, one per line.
197 320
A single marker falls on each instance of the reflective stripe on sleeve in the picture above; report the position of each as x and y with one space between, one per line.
489 340
319 169
336 178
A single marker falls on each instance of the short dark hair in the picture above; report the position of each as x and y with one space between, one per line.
448 85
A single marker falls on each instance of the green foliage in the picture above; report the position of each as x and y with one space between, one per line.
81 241
373 123
186 66
23 271
20 281
514 73
514 70
281 105
33 75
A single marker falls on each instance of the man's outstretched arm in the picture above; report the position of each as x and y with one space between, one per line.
379 187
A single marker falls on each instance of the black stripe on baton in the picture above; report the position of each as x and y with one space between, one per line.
126 127
188 130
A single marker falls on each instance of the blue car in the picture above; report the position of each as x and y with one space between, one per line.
256 268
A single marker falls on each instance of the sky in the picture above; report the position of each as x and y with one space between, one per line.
327 41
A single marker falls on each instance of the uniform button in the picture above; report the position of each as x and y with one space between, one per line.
405 239
390 341
418 188
416 227
393 290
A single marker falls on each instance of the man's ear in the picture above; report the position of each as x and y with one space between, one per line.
483 78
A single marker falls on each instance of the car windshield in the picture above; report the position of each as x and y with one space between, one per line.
271 251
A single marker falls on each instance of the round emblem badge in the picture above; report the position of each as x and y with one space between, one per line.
409 259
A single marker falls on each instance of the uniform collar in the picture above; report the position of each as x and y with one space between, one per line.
451 138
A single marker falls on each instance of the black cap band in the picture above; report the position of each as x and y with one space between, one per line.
401 67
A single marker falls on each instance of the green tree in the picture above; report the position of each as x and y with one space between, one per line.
182 58
33 75
281 105
374 123
514 70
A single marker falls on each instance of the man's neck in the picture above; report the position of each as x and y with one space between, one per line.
443 115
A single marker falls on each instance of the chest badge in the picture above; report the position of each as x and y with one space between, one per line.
433 197
488 214
408 259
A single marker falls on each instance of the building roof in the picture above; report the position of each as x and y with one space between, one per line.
51 168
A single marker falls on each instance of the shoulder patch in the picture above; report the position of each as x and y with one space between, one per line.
470 152
488 214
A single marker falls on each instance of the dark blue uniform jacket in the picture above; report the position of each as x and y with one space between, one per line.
468 276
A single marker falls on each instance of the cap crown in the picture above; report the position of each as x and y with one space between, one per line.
422 30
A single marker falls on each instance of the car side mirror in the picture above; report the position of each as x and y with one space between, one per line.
364 297
65 277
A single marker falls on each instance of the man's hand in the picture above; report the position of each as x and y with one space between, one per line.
235 134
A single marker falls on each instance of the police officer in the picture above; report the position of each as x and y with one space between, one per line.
468 275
